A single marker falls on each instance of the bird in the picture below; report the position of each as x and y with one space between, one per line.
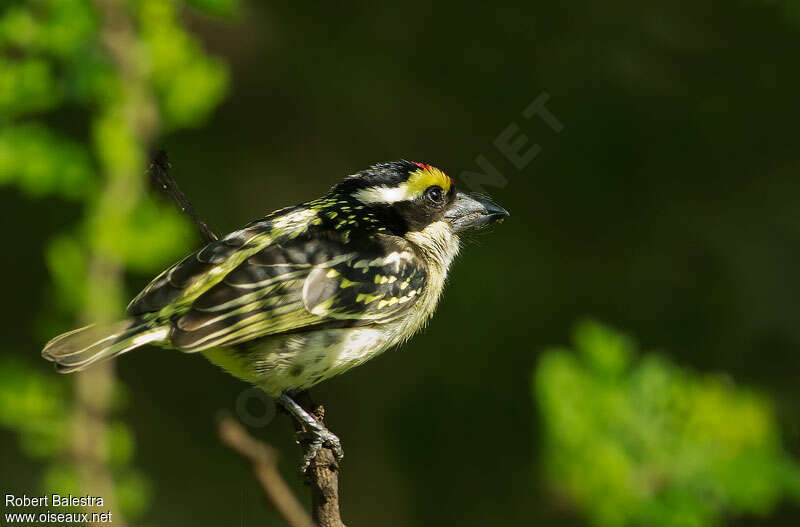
307 292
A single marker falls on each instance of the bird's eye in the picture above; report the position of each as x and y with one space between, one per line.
435 193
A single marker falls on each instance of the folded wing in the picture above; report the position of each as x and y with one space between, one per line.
311 282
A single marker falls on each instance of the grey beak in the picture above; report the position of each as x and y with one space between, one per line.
472 211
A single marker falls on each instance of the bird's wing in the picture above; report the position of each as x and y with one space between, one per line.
313 281
173 291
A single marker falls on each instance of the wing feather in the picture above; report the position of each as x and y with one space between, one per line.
286 273
174 283
304 284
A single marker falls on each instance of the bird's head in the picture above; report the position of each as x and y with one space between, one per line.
420 202
420 195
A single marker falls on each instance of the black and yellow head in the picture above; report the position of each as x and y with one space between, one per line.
413 196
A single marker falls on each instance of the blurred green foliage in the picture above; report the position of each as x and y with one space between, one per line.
641 441
39 162
36 406
85 87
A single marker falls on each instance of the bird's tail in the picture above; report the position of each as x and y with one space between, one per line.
75 350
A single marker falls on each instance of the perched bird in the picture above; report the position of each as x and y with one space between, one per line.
308 291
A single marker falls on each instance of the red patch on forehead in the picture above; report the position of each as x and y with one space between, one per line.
423 166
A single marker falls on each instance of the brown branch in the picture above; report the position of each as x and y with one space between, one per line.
263 459
159 175
323 472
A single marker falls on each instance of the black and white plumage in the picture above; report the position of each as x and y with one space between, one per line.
308 291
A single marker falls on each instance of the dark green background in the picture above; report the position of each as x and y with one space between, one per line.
668 206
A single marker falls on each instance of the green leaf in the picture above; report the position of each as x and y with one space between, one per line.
133 493
62 479
27 86
188 83
645 442
40 162
32 404
216 7
54 27
607 350
149 237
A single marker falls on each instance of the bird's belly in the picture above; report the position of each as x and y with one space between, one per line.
299 361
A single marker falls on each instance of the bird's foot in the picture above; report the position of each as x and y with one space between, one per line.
313 440
313 435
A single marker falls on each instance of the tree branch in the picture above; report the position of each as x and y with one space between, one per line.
159 175
323 472
263 459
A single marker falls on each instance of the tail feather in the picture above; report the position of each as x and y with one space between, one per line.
75 350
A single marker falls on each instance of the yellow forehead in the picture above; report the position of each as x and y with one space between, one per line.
424 177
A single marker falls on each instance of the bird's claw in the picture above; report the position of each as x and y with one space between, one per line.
317 439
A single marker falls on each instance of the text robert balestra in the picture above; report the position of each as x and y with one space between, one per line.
53 500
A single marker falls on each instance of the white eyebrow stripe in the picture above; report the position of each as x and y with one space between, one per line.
372 195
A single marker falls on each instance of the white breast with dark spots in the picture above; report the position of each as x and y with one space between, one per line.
301 361
294 362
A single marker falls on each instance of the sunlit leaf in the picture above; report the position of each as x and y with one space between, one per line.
27 86
216 7
41 162
644 442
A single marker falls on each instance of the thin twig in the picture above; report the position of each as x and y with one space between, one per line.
159 175
323 472
263 459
